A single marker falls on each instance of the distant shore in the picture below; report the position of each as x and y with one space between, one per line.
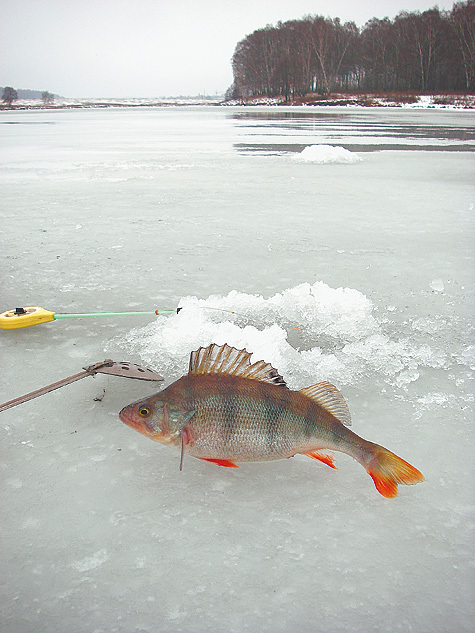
62 103
368 100
398 100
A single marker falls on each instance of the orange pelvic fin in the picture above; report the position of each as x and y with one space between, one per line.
221 462
323 456
388 470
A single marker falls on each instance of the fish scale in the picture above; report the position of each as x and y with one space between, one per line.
227 410
240 426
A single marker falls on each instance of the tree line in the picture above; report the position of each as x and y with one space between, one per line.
425 52
9 95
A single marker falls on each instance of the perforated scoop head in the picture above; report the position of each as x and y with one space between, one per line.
128 370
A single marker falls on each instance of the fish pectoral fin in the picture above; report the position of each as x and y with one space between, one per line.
184 442
186 436
221 462
323 456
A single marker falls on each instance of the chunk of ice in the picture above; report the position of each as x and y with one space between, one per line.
437 285
325 154
308 333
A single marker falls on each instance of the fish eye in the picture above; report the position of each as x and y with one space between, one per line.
144 410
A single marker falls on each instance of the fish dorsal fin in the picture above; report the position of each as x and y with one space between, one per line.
328 397
223 359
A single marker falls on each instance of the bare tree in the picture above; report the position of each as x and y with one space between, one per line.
463 24
377 55
47 97
9 95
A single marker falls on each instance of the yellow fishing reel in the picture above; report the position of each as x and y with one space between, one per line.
24 317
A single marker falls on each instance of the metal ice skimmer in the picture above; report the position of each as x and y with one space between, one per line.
108 366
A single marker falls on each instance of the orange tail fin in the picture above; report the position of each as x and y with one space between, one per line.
388 470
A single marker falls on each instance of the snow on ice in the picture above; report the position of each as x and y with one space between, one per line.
327 154
352 341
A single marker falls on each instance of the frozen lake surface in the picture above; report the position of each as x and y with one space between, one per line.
335 243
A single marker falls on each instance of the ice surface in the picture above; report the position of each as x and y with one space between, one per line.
324 154
360 275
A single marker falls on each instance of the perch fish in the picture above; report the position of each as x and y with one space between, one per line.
227 410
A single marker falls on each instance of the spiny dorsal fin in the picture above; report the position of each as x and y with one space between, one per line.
328 397
223 359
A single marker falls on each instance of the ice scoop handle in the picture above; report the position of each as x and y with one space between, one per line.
43 390
108 366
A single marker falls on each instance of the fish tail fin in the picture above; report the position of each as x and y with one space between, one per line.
387 470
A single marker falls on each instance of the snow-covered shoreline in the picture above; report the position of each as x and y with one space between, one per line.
65 103
456 102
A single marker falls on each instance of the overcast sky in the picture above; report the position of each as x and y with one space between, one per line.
149 48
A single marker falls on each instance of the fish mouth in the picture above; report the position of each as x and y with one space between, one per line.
126 418
129 416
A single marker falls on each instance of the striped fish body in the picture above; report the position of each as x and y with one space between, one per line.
227 410
244 420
